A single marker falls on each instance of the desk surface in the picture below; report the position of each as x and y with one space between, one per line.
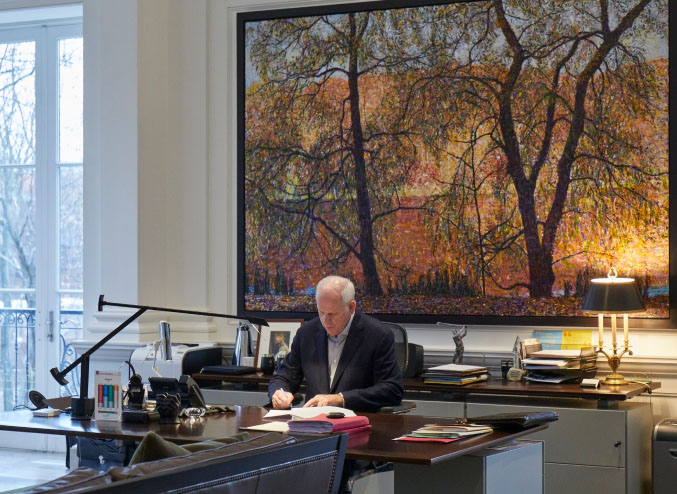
492 386
376 444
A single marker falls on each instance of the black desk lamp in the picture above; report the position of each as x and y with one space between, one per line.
82 407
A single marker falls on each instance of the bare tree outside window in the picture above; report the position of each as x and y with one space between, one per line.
21 205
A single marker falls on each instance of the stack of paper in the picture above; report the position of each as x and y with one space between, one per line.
312 419
456 374
553 359
306 413
559 366
445 433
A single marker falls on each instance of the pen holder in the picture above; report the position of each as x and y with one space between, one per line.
268 363
505 367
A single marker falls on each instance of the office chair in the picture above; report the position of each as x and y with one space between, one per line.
401 346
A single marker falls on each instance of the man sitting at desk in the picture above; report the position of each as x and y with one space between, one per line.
346 357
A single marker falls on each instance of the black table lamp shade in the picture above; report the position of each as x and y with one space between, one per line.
613 296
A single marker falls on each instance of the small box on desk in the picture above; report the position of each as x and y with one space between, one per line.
108 395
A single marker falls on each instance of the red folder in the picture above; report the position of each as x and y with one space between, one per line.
321 424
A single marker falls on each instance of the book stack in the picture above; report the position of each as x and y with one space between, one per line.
561 366
444 433
455 374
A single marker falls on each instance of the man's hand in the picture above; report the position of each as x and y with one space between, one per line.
325 400
282 399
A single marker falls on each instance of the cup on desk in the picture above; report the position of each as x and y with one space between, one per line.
267 363
505 367
280 360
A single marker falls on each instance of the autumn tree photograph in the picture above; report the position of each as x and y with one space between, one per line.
475 158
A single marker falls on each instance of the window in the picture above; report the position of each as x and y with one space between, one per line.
41 190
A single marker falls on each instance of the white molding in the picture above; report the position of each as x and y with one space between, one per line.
53 7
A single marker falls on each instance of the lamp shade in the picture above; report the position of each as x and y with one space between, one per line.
613 296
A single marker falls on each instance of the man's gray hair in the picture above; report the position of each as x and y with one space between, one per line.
340 285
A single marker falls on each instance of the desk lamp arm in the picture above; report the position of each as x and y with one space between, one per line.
83 406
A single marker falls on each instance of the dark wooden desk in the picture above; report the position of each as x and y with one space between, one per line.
603 436
490 387
377 444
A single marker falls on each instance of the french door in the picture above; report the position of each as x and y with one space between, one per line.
41 189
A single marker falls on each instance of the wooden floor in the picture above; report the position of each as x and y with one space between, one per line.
23 468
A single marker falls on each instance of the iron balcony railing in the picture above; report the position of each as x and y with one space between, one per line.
17 354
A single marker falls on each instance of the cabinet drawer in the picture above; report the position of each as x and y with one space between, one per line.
580 436
581 479
438 408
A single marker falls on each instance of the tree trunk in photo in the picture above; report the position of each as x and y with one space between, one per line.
540 247
366 239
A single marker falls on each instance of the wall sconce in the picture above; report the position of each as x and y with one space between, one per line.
613 296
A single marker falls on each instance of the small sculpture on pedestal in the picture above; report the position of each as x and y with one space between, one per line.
458 335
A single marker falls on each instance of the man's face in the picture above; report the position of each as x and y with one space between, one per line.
333 311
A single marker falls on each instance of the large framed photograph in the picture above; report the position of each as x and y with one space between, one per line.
474 161
276 339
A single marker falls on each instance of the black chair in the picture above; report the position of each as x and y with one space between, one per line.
401 346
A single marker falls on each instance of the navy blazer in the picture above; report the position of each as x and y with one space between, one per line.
367 373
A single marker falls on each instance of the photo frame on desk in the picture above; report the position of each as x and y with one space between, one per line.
276 338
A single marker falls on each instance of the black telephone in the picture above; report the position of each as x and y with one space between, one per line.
185 387
190 387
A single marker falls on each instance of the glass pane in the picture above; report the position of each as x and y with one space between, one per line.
17 348
70 324
70 100
70 228
17 227
17 103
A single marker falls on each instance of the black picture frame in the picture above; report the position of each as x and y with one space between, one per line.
419 318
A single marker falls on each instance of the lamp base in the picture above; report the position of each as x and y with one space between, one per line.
82 408
614 379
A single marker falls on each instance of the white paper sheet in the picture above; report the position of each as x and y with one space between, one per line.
307 413
273 426
457 368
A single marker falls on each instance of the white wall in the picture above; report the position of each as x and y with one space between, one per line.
160 182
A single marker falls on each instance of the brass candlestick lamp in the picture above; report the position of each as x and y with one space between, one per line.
613 296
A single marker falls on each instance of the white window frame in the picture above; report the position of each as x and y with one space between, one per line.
46 34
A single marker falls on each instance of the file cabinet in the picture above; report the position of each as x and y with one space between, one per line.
513 468
590 449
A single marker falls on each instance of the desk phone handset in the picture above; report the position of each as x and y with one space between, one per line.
190 387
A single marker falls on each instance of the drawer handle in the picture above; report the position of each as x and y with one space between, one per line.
673 453
617 444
